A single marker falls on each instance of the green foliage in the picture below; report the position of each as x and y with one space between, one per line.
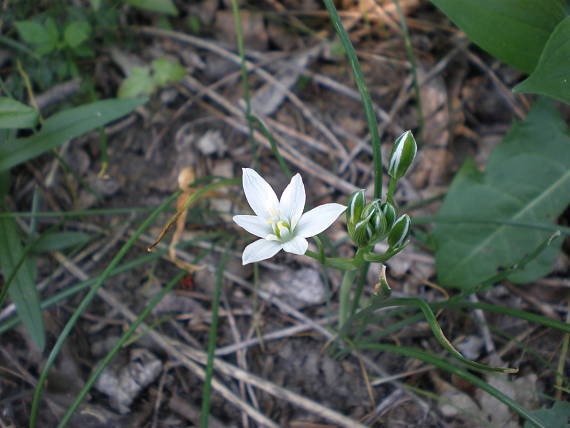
42 37
514 31
57 241
556 417
167 70
15 115
527 180
15 265
160 6
139 83
63 127
76 33
143 81
551 76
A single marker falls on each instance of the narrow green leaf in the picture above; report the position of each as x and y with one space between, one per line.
63 127
15 115
22 290
514 31
76 33
551 76
160 6
58 241
527 179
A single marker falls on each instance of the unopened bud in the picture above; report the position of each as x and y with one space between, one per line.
356 203
390 214
400 231
377 224
402 156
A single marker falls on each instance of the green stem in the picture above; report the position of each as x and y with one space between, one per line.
334 262
207 391
344 297
391 190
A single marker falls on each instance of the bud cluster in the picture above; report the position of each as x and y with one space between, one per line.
369 223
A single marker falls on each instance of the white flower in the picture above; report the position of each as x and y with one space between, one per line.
281 223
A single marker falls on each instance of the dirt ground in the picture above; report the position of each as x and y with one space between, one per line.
277 363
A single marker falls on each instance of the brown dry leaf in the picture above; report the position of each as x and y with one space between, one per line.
185 178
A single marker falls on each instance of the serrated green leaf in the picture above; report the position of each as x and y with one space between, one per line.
556 417
552 74
22 290
30 31
527 180
58 241
514 31
160 6
15 115
138 84
42 38
65 126
167 70
76 33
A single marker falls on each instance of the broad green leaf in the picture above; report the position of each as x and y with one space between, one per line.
556 417
514 31
138 84
167 70
76 33
15 115
57 241
42 38
161 6
552 74
527 181
22 289
64 126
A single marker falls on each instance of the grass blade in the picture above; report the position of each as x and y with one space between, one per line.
63 127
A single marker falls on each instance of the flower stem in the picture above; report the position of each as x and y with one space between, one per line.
344 298
345 308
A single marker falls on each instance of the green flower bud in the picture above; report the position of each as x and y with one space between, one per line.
356 203
400 231
377 224
360 233
390 213
402 156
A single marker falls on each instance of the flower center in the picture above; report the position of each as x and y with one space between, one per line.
282 230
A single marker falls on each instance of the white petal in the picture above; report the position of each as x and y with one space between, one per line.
297 245
292 201
259 194
254 224
318 219
260 250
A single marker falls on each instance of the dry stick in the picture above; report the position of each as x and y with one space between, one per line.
275 335
291 155
224 53
242 360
